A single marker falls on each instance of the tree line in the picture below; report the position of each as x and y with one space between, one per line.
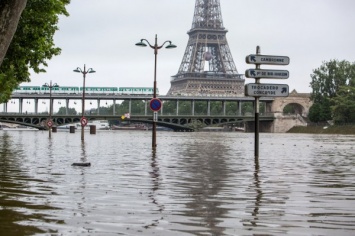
333 92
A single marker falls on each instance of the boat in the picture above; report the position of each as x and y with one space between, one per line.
129 127
100 125
66 127
18 128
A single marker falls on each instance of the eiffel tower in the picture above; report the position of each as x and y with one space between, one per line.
207 68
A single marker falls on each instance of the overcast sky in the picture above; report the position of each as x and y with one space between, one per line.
102 34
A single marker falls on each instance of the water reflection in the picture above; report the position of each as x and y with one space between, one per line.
80 189
258 191
21 200
154 174
205 174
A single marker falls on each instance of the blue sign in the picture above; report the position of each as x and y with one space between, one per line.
155 104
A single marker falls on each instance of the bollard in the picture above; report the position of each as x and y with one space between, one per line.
92 129
54 129
72 129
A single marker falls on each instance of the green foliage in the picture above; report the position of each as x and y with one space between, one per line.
247 108
169 107
320 112
326 83
32 44
343 109
62 111
289 109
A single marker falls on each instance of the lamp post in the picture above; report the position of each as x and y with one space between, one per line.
50 122
83 119
156 47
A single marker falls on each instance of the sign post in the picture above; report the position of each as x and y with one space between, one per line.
267 60
267 90
258 90
155 104
83 121
267 74
50 123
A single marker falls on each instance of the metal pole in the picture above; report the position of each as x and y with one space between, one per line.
83 104
256 108
154 128
50 107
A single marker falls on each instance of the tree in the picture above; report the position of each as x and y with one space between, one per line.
63 111
343 109
326 82
10 12
32 44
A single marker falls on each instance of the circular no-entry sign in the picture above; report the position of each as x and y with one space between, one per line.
83 121
155 104
49 123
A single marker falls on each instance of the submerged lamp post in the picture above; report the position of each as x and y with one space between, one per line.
83 119
156 47
50 122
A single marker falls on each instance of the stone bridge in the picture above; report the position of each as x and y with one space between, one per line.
299 104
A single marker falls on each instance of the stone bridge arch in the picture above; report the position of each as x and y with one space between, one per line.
301 101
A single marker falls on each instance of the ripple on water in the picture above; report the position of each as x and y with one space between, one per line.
194 184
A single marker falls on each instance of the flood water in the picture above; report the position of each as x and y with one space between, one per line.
195 184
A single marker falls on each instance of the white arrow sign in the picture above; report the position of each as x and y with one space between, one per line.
267 74
267 60
267 90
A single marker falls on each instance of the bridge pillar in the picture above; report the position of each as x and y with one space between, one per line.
36 105
146 107
130 106
239 108
66 106
98 106
193 107
20 104
208 107
177 107
114 107
224 107
5 107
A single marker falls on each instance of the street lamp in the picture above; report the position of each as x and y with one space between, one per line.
84 72
50 122
156 48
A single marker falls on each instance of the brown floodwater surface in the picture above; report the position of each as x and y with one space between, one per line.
194 184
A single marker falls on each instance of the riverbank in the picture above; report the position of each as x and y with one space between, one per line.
335 129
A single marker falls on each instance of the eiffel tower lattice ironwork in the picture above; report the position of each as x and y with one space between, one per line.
207 67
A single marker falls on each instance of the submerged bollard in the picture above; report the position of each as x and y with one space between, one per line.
72 129
92 129
85 164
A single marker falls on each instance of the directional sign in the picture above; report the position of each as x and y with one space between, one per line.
267 90
267 60
267 74
155 104
83 121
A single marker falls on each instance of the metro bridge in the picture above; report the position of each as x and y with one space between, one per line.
176 120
